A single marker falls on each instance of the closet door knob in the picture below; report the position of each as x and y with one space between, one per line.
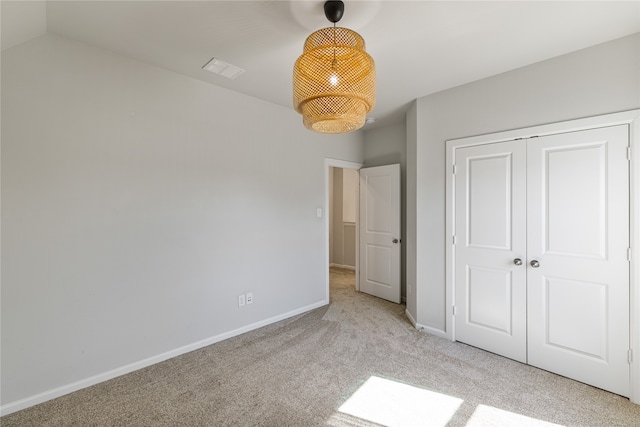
517 261
535 263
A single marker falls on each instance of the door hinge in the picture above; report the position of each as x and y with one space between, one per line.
629 255
630 356
454 240
629 153
454 310
454 169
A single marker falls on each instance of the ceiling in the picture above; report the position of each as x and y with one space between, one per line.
420 47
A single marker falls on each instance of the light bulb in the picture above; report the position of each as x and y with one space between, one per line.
333 80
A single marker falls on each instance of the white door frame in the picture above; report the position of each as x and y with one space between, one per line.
632 118
344 164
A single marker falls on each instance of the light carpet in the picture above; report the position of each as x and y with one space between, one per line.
355 362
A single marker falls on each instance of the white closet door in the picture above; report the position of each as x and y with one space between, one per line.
490 232
577 241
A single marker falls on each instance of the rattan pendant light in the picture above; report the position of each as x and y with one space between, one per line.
334 80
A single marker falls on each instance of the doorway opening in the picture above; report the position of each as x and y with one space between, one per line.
343 218
341 207
366 234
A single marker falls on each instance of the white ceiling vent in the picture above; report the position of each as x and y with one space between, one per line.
223 68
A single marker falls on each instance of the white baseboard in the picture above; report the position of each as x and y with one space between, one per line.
410 317
36 399
422 328
432 331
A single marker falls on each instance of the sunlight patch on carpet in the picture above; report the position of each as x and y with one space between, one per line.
391 403
489 416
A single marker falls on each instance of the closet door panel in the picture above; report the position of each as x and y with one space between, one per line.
490 226
577 240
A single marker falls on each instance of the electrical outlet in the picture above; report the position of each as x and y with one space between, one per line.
241 300
249 298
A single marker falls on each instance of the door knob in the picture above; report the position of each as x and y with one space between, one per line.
517 261
535 263
395 241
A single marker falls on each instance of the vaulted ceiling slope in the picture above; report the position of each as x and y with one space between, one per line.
420 47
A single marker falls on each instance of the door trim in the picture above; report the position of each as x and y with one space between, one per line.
631 118
344 164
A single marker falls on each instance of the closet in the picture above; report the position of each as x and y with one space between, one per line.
540 251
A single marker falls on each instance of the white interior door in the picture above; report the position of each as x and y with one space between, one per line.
490 233
380 231
578 235
560 204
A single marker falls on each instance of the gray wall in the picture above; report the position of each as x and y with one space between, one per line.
137 204
386 146
598 80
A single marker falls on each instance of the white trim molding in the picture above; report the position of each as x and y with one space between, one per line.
105 376
630 118
634 205
432 331
426 329
411 319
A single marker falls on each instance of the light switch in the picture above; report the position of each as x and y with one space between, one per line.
319 212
